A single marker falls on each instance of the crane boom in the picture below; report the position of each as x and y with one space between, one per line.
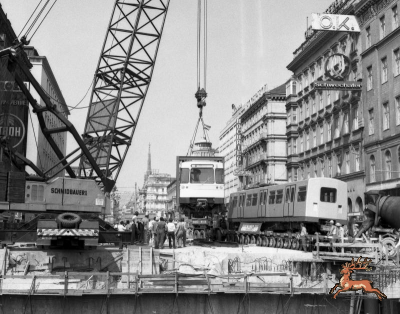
121 82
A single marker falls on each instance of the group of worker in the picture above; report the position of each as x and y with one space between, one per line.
155 231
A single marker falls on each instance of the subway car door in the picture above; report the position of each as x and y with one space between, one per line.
242 200
289 200
262 207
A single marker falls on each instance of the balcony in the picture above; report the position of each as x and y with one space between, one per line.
255 139
257 158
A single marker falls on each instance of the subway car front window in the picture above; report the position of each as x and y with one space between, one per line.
328 195
219 176
202 175
184 175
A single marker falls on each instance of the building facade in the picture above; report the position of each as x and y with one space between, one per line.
229 148
380 54
153 195
13 104
263 136
171 196
39 150
325 127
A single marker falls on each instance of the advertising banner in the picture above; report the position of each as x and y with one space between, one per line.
335 22
338 85
13 113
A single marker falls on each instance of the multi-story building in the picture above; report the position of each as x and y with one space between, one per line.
39 150
325 127
171 196
380 55
229 148
263 134
153 196
13 104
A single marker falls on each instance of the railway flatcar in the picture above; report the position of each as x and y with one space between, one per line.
274 213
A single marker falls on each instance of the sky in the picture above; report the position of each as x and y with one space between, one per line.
250 43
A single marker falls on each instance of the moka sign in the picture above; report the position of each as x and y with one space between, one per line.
335 22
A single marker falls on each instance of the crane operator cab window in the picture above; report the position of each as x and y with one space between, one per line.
328 195
202 175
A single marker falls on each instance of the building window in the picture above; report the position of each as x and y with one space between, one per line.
295 171
300 79
329 130
355 118
328 96
382 28
294 115
315 137
313 104
388 165
321 104
301 144
384 70
308 141
337 131
330 167
395 17
347 162
372 169
397 106
315 169
289 149
346 123
369 78
321 133
301 113
368 36
307 109
322 168
312 71
396 63
294 146
371 121
357 160
306 79
386 117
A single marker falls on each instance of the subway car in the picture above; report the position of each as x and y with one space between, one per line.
278 210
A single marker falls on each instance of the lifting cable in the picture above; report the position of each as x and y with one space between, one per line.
36 19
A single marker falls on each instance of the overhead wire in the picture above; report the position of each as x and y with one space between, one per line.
36 19
36 142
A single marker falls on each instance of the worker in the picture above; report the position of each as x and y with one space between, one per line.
340 229
355 229
333 231
161 231
171 233
121 226
145 231
128 225
181 233
303 237
151 222
154 232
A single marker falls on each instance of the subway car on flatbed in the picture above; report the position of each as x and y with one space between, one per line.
271 215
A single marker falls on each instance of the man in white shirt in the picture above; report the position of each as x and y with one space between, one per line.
121 226
171 232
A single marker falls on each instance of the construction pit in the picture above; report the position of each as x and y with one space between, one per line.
117 280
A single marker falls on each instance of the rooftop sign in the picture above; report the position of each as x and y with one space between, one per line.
335 22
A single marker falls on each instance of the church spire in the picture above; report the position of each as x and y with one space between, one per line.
149 161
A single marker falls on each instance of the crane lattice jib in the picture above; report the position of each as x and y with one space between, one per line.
121 82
